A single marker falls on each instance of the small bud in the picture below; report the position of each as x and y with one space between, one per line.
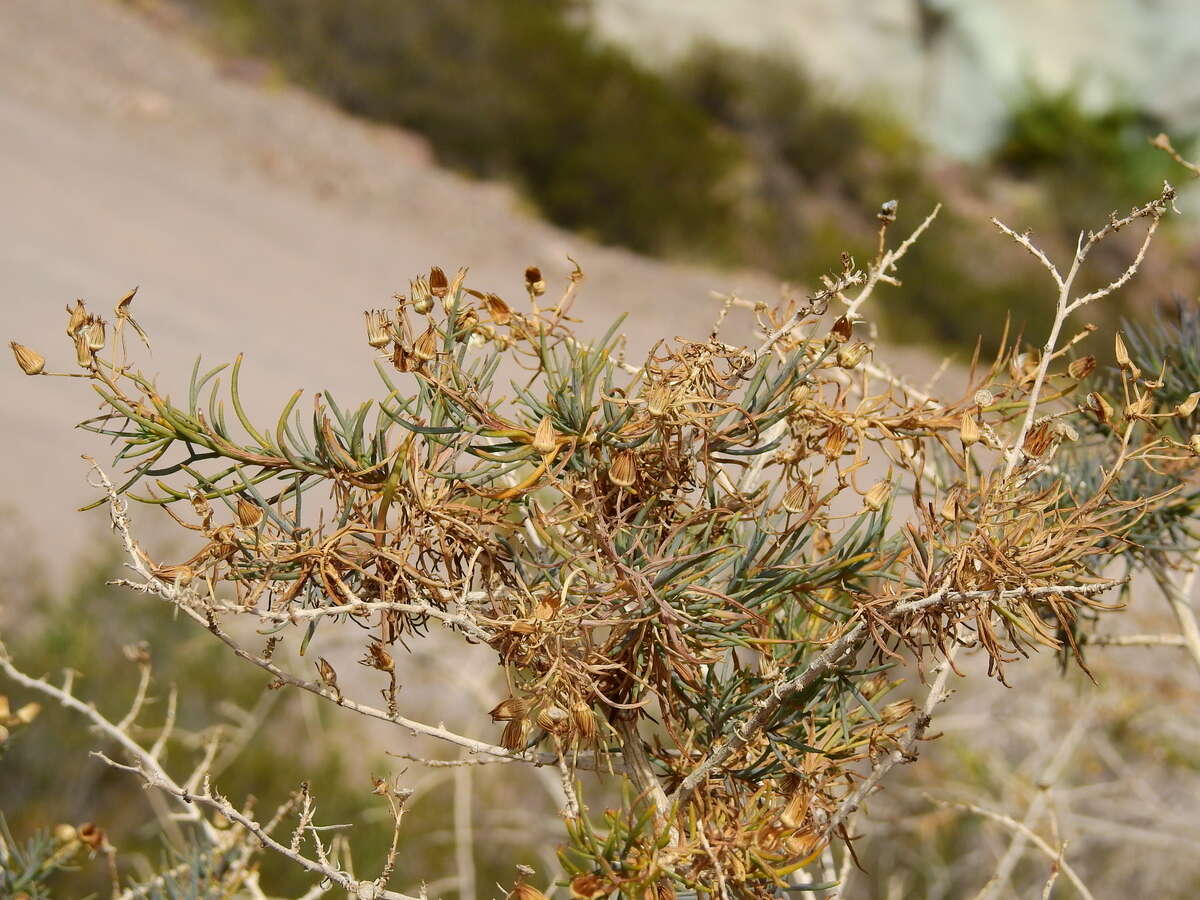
379 327
1123 359
426 346
439 287
968 430
877 496
1184 409
77 316
623 471
534 283
1081 368
422 298
544 439
64 833
30 361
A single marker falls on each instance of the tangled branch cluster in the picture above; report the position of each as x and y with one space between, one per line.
702 573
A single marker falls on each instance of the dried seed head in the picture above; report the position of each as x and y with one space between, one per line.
1122 354
850 357
796 811
796 497
664 889
464 325
94 332
497 309
835 443
1194 444
534 283
544 438
1065 431
800 394
878 495
1184 409
659 399
516 734
951 507
422 298
379 327
510 708
553 719
426 346
377 657
248 514
438 285
623 471
30 361
179 574
984 398
123 303
1081 368
968 430
327 672
456 282
1038 440
1100 407
584 721
76 317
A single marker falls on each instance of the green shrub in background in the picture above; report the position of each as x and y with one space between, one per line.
516 89
730 156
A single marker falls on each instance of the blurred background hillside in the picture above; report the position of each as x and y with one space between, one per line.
266 169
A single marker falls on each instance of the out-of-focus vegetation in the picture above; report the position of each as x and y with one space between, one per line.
730 156
47 775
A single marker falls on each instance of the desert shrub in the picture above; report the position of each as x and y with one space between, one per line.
519 89
698 576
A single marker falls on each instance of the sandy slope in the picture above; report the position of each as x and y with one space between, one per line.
252 216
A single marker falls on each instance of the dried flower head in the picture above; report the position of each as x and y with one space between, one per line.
439 287
30 361
623 471
379 327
